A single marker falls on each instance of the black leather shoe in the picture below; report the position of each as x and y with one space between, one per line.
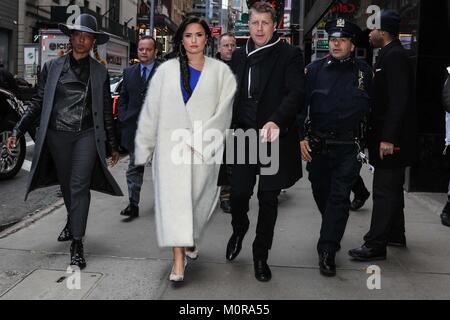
234 246
358 203
367 254
77 254
130 211
65 234
326 264
445 216
262 271
225 205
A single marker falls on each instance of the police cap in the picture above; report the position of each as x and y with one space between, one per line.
342 28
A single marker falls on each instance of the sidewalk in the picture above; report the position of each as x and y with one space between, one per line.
124 261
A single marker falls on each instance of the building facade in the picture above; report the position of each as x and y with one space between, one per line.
117 17
8 34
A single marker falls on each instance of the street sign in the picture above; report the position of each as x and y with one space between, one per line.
215 31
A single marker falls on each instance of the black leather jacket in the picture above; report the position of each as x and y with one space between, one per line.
72 107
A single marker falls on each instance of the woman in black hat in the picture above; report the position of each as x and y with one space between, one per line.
75 130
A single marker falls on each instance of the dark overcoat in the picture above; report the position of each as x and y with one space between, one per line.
43 170
132 96
280 100
394 116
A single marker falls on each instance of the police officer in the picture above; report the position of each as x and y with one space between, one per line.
337 99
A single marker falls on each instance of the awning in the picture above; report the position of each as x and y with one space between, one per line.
319 9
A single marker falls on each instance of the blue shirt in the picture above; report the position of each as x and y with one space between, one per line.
195 76
149 70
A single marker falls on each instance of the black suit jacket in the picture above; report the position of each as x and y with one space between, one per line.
394 116
132 96
280 100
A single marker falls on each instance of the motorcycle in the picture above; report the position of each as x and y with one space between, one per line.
11 110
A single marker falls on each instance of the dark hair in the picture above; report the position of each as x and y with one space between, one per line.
178 43
263 7
227 34
148 38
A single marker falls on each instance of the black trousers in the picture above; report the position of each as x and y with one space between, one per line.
388 218
332 175
74 155
359 189
242 185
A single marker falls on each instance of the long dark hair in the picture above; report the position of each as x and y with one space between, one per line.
181 51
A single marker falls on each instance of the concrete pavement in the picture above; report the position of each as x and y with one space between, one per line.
124 261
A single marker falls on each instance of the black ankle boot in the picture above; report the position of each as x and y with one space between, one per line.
65 234
445 215
77 254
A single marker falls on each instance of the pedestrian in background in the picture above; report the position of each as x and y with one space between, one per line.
445 215
134 88
226 48
75 134
192 96
392 139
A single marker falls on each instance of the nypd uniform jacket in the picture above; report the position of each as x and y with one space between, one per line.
337 94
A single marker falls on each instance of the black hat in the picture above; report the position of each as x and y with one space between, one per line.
390 21
85 23
342 28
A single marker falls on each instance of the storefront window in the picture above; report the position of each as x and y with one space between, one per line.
4 48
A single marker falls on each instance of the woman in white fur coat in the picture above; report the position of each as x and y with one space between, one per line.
181 130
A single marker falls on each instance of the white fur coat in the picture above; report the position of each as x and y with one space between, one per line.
170 135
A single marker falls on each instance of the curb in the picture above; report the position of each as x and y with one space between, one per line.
26 222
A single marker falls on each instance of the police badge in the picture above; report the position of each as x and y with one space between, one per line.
340 23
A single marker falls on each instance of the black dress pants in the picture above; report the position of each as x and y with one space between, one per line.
332 177
359 189
74 155
388 218
242 185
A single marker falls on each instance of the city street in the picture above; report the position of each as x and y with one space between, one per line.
124 261
13 208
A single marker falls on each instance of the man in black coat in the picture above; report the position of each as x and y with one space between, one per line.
392 140
269 96
134 89
225 50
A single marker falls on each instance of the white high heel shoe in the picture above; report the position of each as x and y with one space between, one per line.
193 255
176 277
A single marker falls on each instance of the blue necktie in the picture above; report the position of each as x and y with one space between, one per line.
144 74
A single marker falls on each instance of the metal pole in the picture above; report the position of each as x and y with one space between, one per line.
302 25
207 6
151 15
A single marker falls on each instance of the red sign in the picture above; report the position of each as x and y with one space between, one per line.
215 31
344 8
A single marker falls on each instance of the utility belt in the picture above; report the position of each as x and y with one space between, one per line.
320 142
